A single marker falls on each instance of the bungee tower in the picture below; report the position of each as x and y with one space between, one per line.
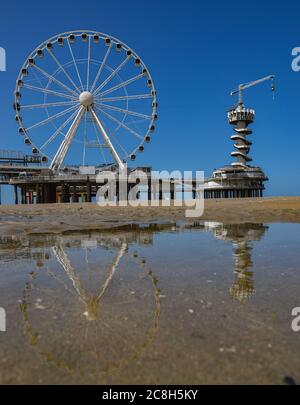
239 179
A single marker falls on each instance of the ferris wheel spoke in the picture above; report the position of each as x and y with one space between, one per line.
58 131
134 113
37 78
121 146
107 139
123 84
65 145
113 268
97 136
64 71
47 91
134 122
53 79
121 98
88 65
75 64
84 139
112 75
110 117
51 118
101 67
46 105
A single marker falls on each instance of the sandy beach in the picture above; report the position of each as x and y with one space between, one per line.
57 218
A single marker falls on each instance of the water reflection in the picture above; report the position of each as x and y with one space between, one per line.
92 302
101 300
242 237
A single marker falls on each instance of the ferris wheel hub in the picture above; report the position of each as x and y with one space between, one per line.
86 99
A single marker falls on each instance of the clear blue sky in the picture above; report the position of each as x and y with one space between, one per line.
197 52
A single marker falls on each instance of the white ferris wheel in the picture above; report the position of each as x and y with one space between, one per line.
86 98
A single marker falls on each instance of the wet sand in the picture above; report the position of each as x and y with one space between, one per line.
57 218
192 304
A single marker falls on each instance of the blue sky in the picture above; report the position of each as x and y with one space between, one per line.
197 52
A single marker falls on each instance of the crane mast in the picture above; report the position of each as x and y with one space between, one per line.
245 86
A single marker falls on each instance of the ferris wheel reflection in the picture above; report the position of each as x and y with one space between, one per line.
104 278
91 301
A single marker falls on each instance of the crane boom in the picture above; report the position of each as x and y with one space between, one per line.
245 86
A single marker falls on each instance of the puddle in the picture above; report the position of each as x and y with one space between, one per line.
151 303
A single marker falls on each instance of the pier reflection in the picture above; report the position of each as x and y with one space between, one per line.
242 237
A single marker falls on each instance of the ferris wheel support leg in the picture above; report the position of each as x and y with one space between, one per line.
64 147
107 140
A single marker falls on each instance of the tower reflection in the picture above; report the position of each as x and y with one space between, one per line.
242 237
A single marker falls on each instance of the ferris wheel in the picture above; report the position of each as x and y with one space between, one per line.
85 97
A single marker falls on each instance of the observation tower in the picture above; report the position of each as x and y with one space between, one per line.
239 179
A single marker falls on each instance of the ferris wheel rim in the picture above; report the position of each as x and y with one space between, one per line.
89 34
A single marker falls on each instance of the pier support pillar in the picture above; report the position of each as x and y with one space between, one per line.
23 195
172 190
129 186
75 196
16 195
182 189
149 190
160 191
38 194
194 193
65 193
49 193
88 191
